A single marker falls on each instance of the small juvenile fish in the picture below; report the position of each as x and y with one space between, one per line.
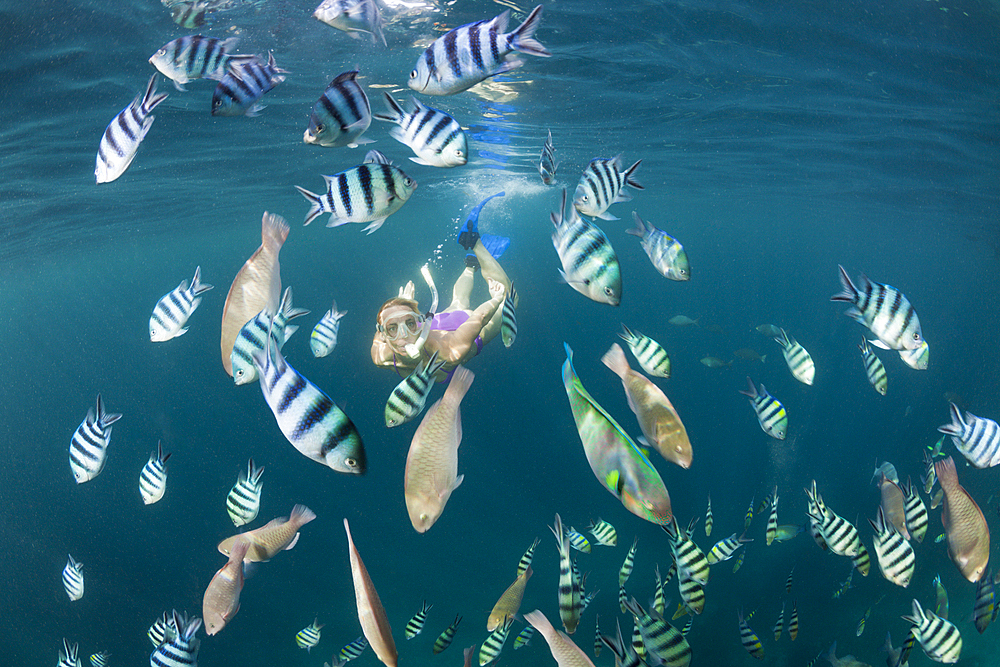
124 133
547 163
172 311
370 192
726 549
682 321
271 539
529 555
779 625
416 623
341 115
985 610
100 659
324 334
355 17
715 362
474 52
309 636
222 597
941 598
873 367
243 502
603 184
72 577
578 541
436 137
770 412
793 623
195 57
240 90
665 252
772 521
799 361
447 635
604 533
524 637
350 652
88 448
153 476
709 521
508 323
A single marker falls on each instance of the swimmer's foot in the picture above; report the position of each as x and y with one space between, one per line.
496 245
469 234
472 262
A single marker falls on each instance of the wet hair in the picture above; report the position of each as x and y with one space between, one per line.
397 301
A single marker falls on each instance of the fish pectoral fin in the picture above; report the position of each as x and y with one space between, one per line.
615 481
458 483
645 446
608 216
420 160
181 332
879 344
374 225
293 542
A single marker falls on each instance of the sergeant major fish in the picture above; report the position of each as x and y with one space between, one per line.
508 322
474 52
873 367
195 57
173 309
408 397
436 137
253 334
153 476
341 115
769 410
665 252
369 192
72 577
324 334
650 354
799 361
121 139
883 309
182 649
69 655
416 623
309 636
240 90
603 184
355 17
547 163
88 448
243 501
976 437
589 263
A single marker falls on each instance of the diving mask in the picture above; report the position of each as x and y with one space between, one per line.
401 326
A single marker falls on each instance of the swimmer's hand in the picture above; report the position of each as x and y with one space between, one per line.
408 291
497 290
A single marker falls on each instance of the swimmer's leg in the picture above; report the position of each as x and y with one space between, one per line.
462 290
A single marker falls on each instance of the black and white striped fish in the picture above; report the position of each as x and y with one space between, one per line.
243 501
916 511
940 639
919 358
772 520
883 309
691 561
309 636
341 115
240 90
985 610
727 548
547 164
603 184
770 412
779 625
474 52
72 577
191 14
709 520
604 533
173 309
625 655
407 400
861 561
838 533
665 252
436 137
661 640
569 589
788 581
355 17
100 659
416 624
447 635
524 637
693 593
659 596
976 437
893 551
153 476
650 354
508 322
750 640
250 339
68 655
350 652
124 133
799 361
526 559
162 629
622 598
182 649
491 648
793 622
307 417
873 367
589 263
324 335
578 541
626 569
88 448
195 57
370 192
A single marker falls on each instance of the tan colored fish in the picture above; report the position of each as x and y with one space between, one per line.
256 287
715 362
566 653
267 541
658 420
509 603
682 321
432 462
964 523
893 505
371 614
222 597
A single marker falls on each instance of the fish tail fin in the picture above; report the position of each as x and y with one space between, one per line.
460 382
640 226
150 99
751 393
289 312
395 114
848 291
615 359
105 418
273 231
315 204
957 425
523 38
302 514
628 176
831 653
198 287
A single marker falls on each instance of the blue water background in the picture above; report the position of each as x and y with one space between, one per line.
777 139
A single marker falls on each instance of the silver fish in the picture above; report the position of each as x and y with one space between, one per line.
341 115
603 184
355 17
124 133
153 476
239 91
253 334
195 57
883 309
72 577
547 163
665 252
173 309
436 137
88 448
370 192
324 334
589 263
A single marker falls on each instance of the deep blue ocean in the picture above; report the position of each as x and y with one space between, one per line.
778 140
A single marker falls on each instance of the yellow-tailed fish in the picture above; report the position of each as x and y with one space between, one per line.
565 652
267 541
256 287
432 462
749 516
657 417
222 597
371 614
964 524
861 624
739 562
509 603
614 458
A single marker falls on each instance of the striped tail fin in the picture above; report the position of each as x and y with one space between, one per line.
315 204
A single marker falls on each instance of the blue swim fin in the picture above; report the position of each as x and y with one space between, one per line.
496 245
469 233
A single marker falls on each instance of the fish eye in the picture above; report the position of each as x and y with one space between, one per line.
161 52
916 336
609 291
239 373
413 74
351 463
459 153
585 198
408 181
684 272
319 128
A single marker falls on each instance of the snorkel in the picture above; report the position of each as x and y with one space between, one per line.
414 349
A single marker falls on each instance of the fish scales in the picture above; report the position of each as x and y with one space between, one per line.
565 652
964 524
509 603
269 540
222 597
